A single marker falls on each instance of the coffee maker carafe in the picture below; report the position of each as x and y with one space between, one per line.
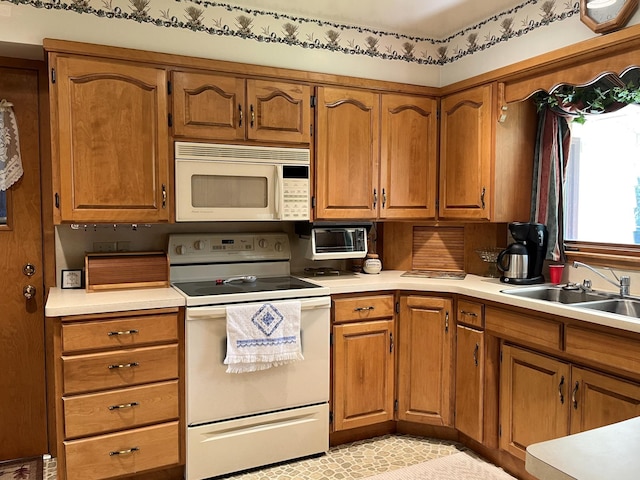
522 261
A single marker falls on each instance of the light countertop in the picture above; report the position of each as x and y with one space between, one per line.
605 452
62 302
75 302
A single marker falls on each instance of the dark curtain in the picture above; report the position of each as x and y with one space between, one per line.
550 161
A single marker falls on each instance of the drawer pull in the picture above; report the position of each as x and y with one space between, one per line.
363 309
124 365
122 332
124 452
574 394
471 314
124 405
561 390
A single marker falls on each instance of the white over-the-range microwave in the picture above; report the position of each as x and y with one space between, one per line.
216 182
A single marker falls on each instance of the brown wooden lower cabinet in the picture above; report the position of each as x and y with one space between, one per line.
425 351
469 398
363 374
543 398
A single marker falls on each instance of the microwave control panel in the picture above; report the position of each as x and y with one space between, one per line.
295 199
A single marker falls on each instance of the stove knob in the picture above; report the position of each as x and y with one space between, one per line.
198 244
263 243
278 247
181 249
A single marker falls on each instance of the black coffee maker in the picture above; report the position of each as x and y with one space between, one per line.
531 248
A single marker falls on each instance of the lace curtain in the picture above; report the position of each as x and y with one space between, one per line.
10 161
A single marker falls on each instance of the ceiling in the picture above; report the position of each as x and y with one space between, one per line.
425 18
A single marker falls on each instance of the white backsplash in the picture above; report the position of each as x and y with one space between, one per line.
72 244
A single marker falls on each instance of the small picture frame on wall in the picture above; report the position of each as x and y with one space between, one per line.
71 279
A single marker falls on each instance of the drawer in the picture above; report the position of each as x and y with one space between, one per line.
470 313
607 349
363 308
522 328
119 409
124 453
102 371
119 332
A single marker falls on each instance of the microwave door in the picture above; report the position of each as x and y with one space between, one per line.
209 191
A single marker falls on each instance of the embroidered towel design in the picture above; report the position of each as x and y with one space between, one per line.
261 336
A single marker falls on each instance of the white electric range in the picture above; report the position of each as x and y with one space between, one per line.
242 421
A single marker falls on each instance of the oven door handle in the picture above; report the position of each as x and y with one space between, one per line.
198 313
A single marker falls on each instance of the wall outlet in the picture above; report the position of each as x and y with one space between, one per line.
105 246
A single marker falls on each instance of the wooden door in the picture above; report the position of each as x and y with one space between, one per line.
534 399
110 140
425 347
467 143
469 418
408 157
208 106
347 154
23 425
363 379
598 400
278 111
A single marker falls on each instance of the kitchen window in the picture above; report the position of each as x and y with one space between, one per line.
602 186
3 208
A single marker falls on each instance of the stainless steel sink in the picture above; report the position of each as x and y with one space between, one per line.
620 306
555 294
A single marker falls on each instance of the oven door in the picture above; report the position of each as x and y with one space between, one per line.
214 395
217 190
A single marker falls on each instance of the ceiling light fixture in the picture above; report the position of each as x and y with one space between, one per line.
600 3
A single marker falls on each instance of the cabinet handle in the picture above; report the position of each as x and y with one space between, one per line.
363 309
124 452
475 354
124 365
471 314
124 405
122 332
390 342
241 115
253 116
446 322
164 196
574 394
560 390
375 198
384 198
482 197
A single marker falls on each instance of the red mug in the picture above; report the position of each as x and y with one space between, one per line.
555 273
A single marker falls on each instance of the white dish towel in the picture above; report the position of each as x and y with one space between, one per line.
261 336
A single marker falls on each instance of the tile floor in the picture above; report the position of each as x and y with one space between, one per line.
356 460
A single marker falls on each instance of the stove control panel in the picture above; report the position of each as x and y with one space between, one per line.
195 248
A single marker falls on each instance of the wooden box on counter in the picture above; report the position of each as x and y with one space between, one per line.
110 271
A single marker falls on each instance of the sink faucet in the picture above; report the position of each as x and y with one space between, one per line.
623 283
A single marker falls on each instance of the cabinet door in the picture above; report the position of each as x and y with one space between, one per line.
467 134
110 140
278 111
347 153
408 157
470 382
424 360
363 380
534 399
598 400
208 106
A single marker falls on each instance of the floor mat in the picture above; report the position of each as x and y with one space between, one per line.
459 466
22 469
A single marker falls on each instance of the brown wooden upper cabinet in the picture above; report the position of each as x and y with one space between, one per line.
376 155
109 140
486 156
220 107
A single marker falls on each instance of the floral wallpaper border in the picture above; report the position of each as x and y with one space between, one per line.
222 19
